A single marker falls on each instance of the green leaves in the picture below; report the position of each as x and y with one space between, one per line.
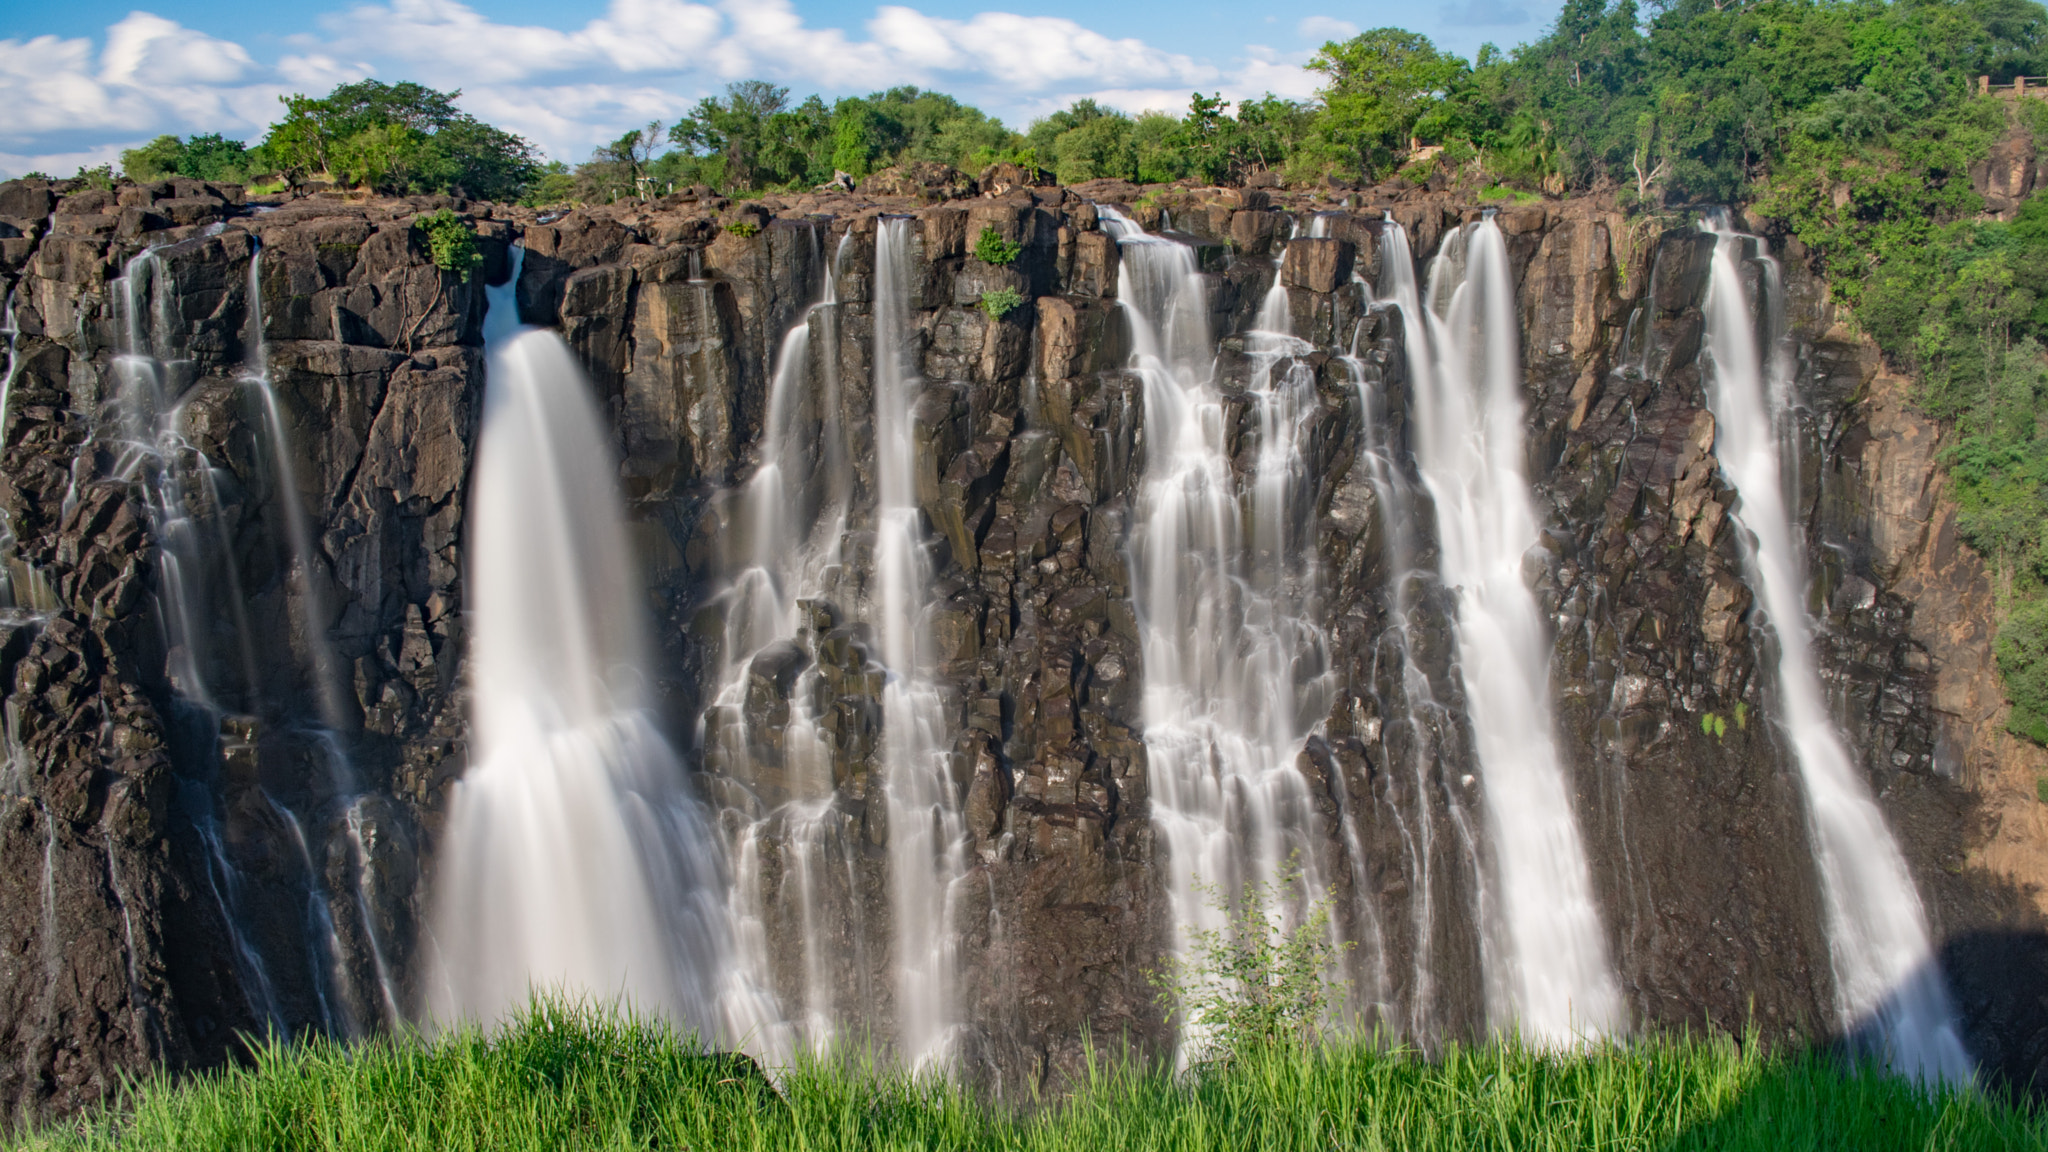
394 138
451 242
1263 982
1380 83
1001 302
991 248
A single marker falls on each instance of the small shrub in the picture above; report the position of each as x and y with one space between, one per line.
1741 716
1713 725
1001 302
744 229
991 248
451 241
2041 789
1254 985
101 177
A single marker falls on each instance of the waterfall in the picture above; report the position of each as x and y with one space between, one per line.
180 497
1889 989
1548 972
927 832
311 603
791 516
575 860
1413 727
1236 673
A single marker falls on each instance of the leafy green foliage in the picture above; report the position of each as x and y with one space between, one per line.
451 241
745 229
212 158
1380 84
1258 982
991 248
397 138
574 1077
1001 302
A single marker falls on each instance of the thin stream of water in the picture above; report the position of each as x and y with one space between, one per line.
1889 988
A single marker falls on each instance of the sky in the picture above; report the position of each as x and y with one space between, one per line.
80 81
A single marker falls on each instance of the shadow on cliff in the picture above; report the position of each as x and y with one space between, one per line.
1999 979
1999 983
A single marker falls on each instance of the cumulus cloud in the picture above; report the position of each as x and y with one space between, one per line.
1325 28
69 104
570 88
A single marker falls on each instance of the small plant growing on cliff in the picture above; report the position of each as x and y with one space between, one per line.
1715 726
744 229
1741 716
991 248
451 242
1001 302
1254 984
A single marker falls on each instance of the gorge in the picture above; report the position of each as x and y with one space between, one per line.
728 605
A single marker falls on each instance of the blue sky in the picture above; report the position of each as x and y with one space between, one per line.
80 81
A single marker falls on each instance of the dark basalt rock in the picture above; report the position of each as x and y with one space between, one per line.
163 857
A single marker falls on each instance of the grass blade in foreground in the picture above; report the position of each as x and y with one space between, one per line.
568 1077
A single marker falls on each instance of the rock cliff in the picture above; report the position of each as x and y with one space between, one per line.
234 675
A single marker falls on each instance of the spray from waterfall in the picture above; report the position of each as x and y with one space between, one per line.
927 831
575 858
1236 672
1548 972
1889 989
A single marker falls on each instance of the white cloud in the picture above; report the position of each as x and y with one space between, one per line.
568 89
62 164
1325 28
147 49
68 106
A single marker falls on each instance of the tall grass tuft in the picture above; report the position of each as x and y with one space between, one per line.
576 1077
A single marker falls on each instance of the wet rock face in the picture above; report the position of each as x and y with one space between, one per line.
193 814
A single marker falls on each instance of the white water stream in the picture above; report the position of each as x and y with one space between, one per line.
575 861
1889 989
1548 972
1236 672
927 832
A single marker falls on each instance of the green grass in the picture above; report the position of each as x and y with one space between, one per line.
573 1079
1503 192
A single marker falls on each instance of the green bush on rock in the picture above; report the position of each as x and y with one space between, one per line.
1001 302
451 241
991 248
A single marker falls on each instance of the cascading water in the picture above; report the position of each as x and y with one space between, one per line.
310 602
177 484
927 833
1889 988
792 517
1548 971
1413 726
575 859
1236 675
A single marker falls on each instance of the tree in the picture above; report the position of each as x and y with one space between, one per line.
399 138
1379 84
